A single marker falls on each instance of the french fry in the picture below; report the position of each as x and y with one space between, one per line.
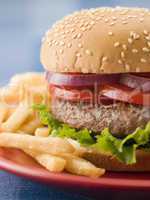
22 112
3 112
9 95
50 162
31 125
82 167
79 151
43 132
49 145
29 78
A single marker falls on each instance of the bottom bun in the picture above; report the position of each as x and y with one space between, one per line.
111 163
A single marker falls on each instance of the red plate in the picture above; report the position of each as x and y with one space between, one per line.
17 162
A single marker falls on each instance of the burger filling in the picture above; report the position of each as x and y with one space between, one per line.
109 113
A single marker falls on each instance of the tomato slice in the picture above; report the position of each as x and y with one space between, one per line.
125 94
106 94
85 96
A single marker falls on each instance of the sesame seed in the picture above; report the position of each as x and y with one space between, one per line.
83 28
60 51
136 36
114 18
124 46
74 36
79 35
134 51
61 43
143 60
145 32
72 30
116 44
106 20
137 69
145 49
88 52
81 25
131 33
122 55
110 33
127 67
56 43
148 43
80 45
147 38
141 19
92 22
124 22
69 45
86 23
112 23
104 59
130 41
120 61
78 54
49 43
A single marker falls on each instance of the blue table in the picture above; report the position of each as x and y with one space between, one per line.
17 188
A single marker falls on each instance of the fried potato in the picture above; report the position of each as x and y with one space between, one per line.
31 125
50 162
79 150
29 79
82 167
50 145
22 112
3 112
43 132
10 95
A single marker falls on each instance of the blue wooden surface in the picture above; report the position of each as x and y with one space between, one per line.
22 24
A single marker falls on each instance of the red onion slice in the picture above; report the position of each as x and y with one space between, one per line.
80 80
136 82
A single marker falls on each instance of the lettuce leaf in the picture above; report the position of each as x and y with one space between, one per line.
123 149
108 143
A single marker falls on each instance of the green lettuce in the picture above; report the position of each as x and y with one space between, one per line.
123 149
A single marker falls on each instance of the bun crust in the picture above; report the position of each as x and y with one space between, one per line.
110 163
102 40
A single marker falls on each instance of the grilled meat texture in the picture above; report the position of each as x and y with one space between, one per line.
121 118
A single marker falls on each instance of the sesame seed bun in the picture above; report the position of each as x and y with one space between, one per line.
111 163
102 40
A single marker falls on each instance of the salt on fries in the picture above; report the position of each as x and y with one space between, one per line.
21 128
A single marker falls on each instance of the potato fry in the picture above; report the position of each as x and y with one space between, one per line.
50 162
17 118
3 112
50 145
31 125
82 167
43 132
79 151
9 95
29 78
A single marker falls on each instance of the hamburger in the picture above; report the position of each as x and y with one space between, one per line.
97 64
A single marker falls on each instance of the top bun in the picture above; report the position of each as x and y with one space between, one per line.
101 40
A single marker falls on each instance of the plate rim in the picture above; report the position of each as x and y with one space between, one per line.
72 180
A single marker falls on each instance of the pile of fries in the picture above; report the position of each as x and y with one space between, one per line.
21 128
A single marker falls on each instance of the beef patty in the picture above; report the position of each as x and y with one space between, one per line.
121 118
